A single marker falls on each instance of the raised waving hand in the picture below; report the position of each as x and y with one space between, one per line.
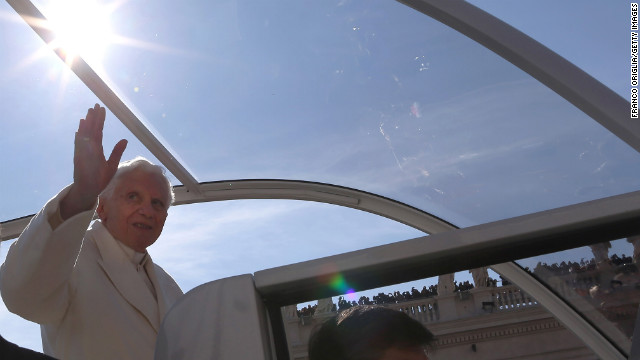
91 170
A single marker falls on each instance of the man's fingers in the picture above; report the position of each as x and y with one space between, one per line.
88 123
116 154
80 127
93 122
99 126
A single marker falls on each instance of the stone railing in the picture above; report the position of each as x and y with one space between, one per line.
424 309
511 297
456 305
482 300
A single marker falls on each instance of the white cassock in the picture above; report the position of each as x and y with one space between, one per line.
89 293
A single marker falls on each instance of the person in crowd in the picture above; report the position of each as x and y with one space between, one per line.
370 333
96 293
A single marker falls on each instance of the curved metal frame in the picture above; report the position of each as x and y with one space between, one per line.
567 80
314 191
586 93
288 190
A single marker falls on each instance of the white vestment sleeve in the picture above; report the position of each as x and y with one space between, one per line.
35 279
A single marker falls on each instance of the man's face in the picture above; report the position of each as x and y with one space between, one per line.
136 211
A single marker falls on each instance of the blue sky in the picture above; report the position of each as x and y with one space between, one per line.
377 98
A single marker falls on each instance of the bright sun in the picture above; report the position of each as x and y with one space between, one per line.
81 27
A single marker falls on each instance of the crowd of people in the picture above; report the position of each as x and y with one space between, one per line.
574 267
569 267
396 297
622 263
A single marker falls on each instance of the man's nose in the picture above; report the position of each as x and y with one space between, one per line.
146 209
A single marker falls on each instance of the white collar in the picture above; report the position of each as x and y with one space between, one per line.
136 258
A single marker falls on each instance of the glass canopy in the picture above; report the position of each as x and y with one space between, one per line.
601 281
366 95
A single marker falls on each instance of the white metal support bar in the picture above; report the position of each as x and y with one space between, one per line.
481 245
563 312
34 18
576 86
13 228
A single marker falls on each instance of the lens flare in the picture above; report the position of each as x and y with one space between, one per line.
339 284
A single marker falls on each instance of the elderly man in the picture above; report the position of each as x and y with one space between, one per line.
96 293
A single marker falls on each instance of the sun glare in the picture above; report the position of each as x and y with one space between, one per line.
81 27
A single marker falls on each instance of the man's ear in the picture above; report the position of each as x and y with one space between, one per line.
100 210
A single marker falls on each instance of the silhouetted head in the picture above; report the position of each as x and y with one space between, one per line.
370 333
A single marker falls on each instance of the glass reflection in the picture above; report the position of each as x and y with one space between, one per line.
601 281
472 313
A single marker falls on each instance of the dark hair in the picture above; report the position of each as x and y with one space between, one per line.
365 333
